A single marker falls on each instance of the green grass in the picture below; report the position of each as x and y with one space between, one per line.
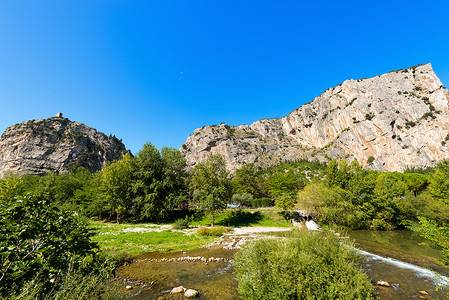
120 242
124 241
246 217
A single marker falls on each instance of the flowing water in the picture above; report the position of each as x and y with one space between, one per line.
400 258
397 257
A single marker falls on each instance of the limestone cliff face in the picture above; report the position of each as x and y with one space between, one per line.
55 145
401 119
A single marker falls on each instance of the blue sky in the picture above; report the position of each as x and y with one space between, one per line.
153 71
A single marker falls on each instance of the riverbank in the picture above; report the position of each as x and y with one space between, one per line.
163 258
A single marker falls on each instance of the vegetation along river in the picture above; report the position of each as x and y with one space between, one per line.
398 257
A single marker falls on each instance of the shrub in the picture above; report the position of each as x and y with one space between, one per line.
214 231
307 266
369 116
39 242
409 124
263 202
73 287
183 223
242 199
370 160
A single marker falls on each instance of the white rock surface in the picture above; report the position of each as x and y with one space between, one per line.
401 119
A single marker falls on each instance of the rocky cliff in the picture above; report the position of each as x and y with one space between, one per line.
388 122
55 145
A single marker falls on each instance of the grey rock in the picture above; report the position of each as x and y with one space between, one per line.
400 118
55 145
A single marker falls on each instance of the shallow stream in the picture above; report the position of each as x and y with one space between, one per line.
397 257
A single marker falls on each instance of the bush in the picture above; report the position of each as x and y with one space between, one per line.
370 160
40 242
74 287
242 199
262 202
213 231
183 223
308 266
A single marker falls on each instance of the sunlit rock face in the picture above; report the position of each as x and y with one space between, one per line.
55 145
388 122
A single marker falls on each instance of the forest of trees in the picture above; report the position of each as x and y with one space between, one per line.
151 186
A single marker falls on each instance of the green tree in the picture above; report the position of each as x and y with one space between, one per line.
286 182
242 199
10 188
159 182
340 173
174 177
245 180
285 201
114 190
212 184
439 182
147 184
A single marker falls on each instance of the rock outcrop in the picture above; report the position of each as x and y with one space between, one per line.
388 122
55 145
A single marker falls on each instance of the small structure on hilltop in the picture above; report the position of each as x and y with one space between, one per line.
59 115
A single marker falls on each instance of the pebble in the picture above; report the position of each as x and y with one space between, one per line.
190 293
423 293
187 259
383 283
178 289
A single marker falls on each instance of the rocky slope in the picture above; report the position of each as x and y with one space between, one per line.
55 145
388 122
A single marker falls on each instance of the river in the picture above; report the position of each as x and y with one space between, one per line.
398 257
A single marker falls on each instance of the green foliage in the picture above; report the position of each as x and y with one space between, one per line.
183 223
340 173
212 185
439 182
309 266
245 180
369 116
114 189
262 202
146 187
242 199
282 183
285 202
73 286
356 198
11 188
40 242
439 235
370 160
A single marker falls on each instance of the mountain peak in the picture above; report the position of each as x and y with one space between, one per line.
55 145
388 122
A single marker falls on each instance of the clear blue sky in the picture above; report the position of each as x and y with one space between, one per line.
153 71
